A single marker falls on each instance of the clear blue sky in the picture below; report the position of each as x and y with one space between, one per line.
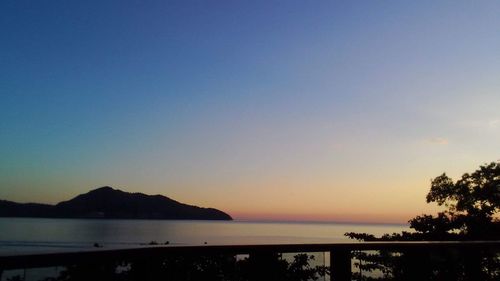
265 109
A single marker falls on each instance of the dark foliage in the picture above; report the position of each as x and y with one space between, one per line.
256 267
472 206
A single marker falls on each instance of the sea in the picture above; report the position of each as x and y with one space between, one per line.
20 236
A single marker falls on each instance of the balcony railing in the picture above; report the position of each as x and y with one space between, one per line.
340 254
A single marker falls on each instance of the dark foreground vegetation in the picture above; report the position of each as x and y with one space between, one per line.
267 266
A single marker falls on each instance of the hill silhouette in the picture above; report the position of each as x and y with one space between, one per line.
109 203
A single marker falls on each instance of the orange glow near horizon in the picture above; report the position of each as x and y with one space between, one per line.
337 218
360 201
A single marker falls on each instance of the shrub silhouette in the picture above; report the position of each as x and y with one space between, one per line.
256 267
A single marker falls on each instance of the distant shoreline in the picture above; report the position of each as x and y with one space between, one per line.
109 203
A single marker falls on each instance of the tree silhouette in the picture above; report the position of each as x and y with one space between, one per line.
472 206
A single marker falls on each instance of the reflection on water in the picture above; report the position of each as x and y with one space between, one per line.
26 235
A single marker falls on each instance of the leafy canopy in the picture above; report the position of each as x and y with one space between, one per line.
472 209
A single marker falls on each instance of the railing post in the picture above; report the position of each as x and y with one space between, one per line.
472 264
340 265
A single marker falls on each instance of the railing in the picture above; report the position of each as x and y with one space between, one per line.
340 253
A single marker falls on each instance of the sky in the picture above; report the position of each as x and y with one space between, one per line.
268 110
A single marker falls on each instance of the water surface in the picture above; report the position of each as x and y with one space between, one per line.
35 235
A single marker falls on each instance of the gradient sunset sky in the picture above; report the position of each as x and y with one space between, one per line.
278 110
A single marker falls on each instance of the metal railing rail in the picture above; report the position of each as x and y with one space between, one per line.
340 253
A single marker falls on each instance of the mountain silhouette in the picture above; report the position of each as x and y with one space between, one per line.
109 203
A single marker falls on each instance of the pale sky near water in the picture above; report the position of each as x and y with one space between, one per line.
277 110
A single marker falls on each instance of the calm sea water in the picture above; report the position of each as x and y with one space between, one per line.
30 235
